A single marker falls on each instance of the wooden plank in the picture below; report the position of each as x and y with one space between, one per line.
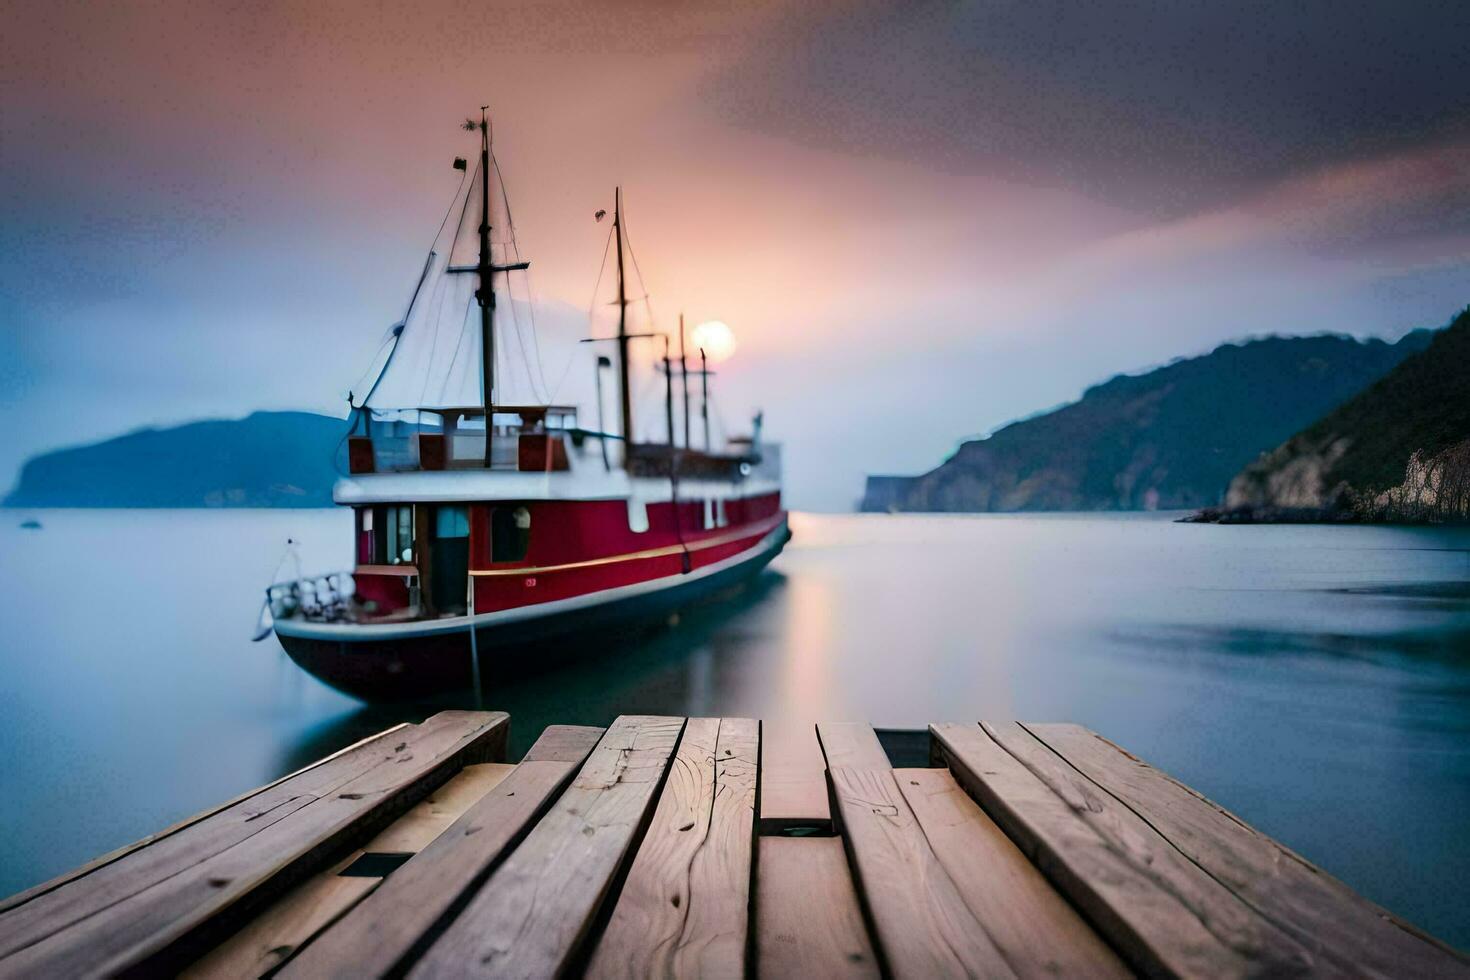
35 891
417 828
808 923
1156 907
793 778
922 926
227 867
715 936
1039 934
564 743
56 909
1338 926
532 916
378 934
683 908
852 745
49 907
290 923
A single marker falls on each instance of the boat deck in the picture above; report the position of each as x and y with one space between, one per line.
712 847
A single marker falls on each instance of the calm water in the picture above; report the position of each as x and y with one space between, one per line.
1315 680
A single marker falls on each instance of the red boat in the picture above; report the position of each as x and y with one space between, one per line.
476 541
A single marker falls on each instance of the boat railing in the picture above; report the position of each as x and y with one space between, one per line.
320 598
453 439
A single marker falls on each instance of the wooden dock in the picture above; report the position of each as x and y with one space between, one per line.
711 847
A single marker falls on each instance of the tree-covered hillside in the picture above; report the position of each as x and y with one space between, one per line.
269 459
1171 438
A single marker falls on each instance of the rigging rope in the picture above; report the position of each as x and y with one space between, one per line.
441 288
591 309
510 290
403 323
646 297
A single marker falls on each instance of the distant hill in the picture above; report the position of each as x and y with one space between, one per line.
1170 438
268 459
1399 450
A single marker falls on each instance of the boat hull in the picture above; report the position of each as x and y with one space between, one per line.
375 667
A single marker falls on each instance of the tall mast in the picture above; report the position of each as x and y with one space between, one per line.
669 394
623 372
704 402
486 293
684 376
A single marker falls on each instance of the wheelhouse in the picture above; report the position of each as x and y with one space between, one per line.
414 560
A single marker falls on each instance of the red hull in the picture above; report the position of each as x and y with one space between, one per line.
396 668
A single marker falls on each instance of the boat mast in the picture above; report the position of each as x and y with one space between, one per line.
486 293
623 373
669 394
704 401
684 376
486 269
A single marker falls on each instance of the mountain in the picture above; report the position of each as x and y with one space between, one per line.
1399 450
268 459
1170 438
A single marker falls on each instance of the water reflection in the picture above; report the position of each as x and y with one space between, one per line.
1450 596
1415 648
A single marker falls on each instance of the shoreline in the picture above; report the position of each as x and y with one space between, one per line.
1306 515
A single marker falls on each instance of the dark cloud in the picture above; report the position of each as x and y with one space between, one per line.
217 207
1165 105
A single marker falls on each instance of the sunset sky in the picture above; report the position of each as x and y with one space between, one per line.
920 220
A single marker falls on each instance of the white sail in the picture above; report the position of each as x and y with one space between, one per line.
435 362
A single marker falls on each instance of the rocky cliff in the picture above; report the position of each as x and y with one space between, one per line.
1399 450
1170 438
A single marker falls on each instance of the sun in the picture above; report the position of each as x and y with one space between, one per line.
716 339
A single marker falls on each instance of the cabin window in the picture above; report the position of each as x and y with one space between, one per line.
720 517
510 533
709 514
400 535
385 535
637 515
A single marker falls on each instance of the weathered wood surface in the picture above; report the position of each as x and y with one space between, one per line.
378 934
417 828
532 916
20 898
144 909
793 778
852 745
315 904
288 924
1158 908
1343 931
683 909
1034 928
1042 850
808 923
924 928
